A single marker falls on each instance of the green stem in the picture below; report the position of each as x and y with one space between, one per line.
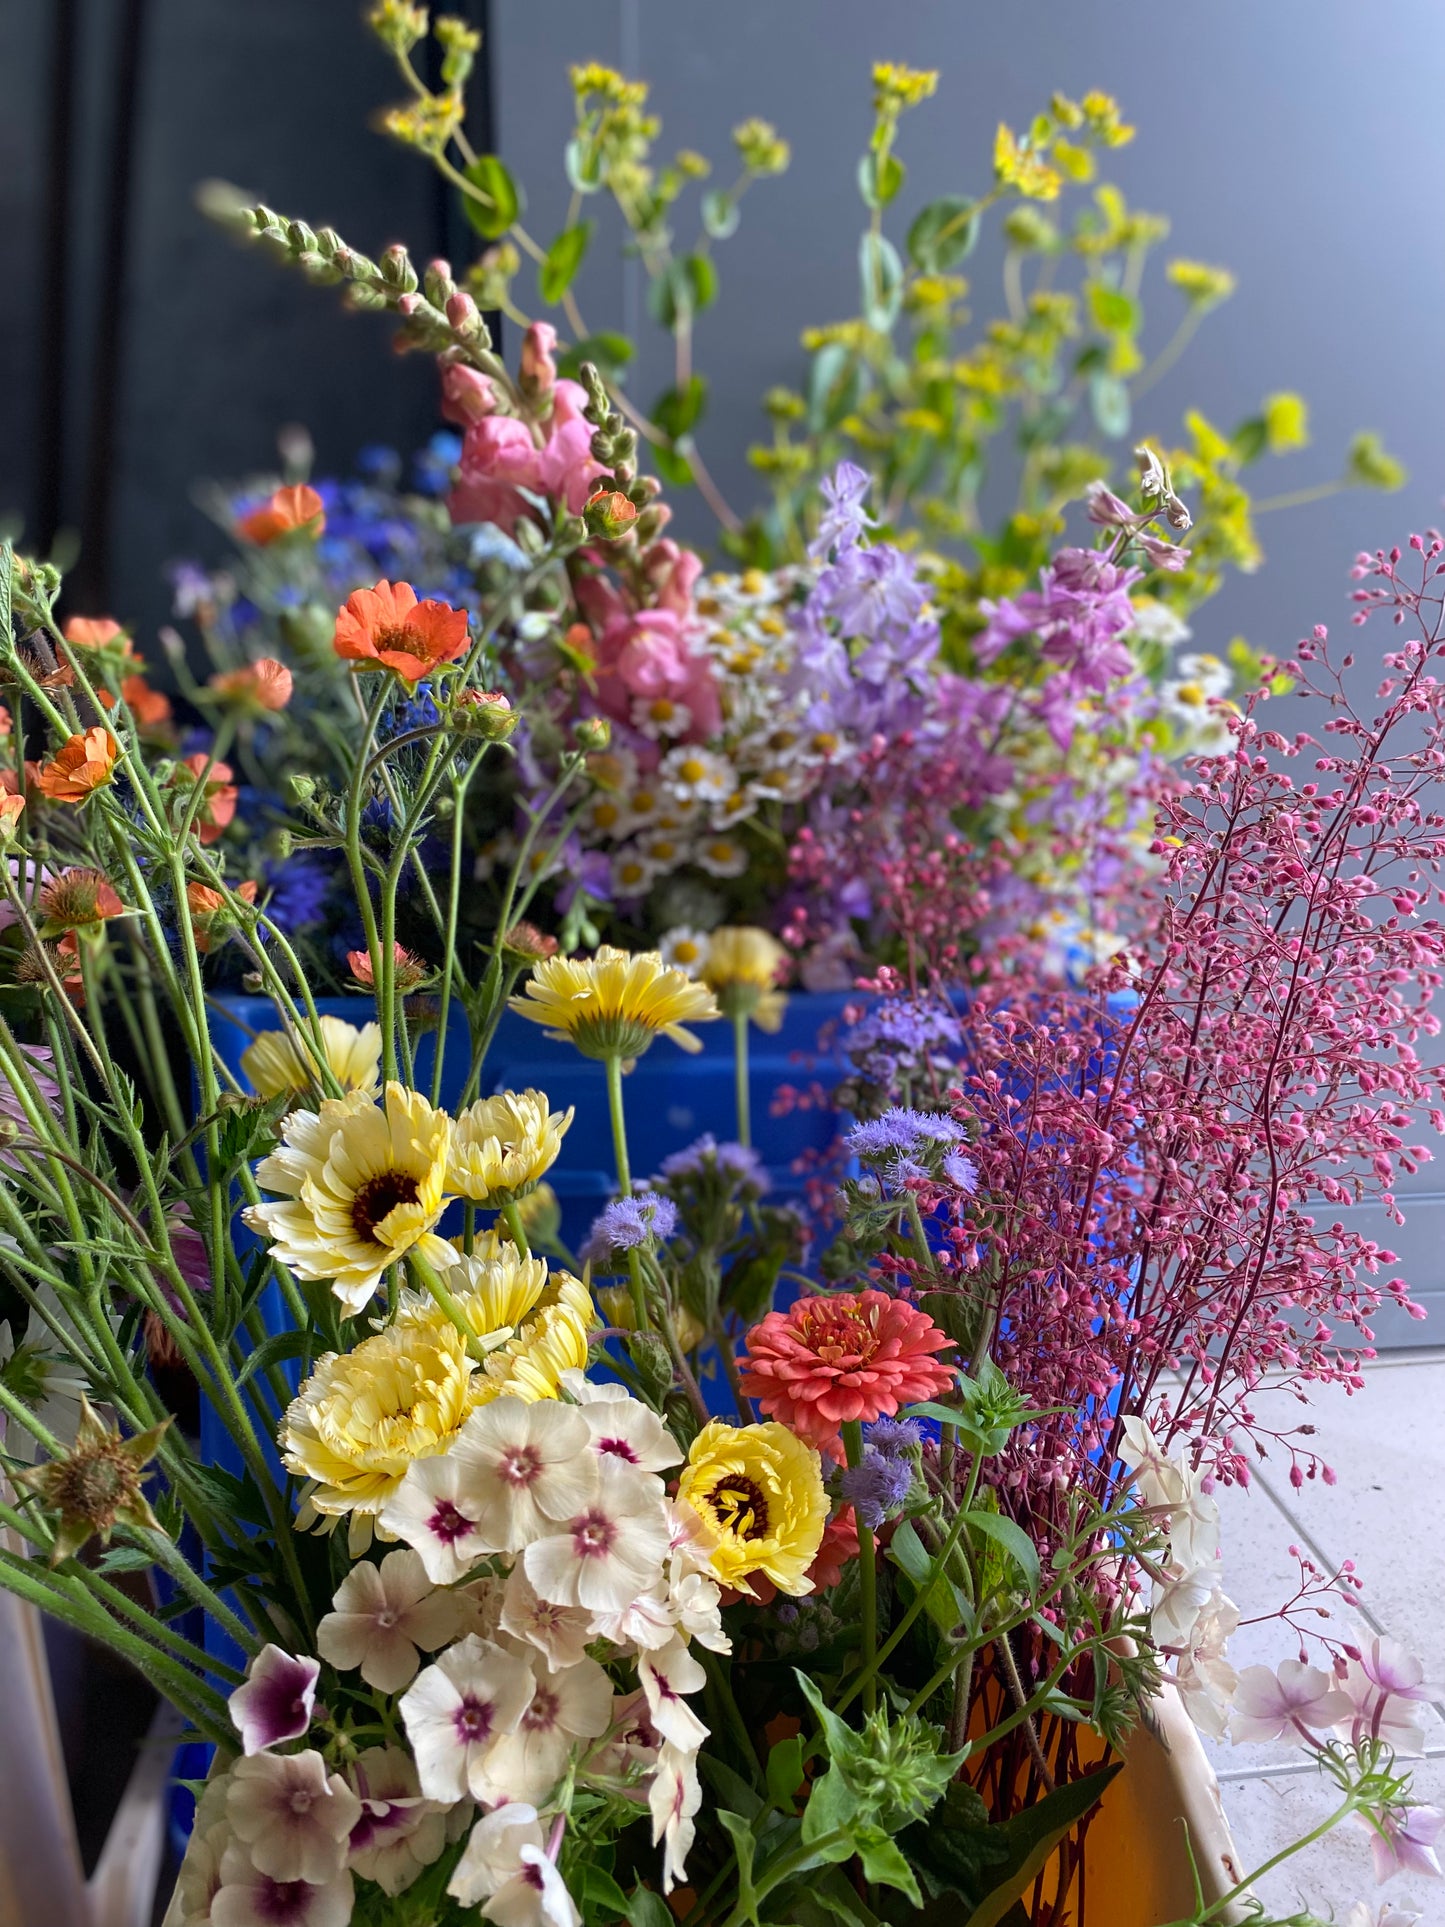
518 1230
867 1576
740 1079
432 1282
618 1116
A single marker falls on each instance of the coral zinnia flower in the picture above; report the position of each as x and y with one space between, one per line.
365 1415
502 1145
742 967
82 765
362 1185
389 627
759 1492
613 1004
828 1361
276 1063
287 511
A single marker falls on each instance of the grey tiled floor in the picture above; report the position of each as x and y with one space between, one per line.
1387 1513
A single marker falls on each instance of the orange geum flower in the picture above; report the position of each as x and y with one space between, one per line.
218 806
81 766
11 807
77 897
409 969
387 626
289 511
265 685
205 906
97 632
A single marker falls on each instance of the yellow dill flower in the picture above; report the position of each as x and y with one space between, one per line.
615 1304
502 1145
362 1184
759 1491
613 1004
276 1063
536 1326
364 1416
742 967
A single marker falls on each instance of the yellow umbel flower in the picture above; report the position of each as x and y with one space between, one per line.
759 1491
364 1416
362 1184
613 1004
277 1063
502 1145
535 1327
742 967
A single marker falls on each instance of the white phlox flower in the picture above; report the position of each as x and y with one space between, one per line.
457 1710
504 1868
381 1615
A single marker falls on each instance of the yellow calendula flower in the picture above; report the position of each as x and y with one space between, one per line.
362 1184
502 1145
277 1063
535 1325
741 968
614 1004
364 1416
759 1491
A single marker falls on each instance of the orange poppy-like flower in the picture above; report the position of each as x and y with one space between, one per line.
289 510
218 806
388 626
76 897
409 969
148 706
266 684
10 809
95 632
82 766
203 903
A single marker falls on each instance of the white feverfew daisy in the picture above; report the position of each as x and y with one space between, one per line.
660 717
456 1712
721 856
633 872
665 850
697 775
569 1704
293 1818
505 1870
622 1427
434 1510
400 1832
609 1552
684 949
561 1633
381 1615
525 1468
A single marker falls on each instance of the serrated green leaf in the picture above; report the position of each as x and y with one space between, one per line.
943 234
126 1559
559 269
489 174
278 1349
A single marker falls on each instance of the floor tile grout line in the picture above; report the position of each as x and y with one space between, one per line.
1286 1769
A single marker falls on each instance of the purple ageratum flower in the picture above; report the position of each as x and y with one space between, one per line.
628 1223
276 1702
892 1437
735 1161
961 1171
901 1133
844 517
899 1030
877 1486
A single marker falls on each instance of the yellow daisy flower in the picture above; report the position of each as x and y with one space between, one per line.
276 1062
361 1185
742 967
536 1326
613 1004
502 1145
759 1491
364 1416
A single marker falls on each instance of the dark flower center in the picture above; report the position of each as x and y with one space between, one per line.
593 1535
541 1715
473 1720
447 1523
280 1903
520 1465
741 1507
380 1196
619 1449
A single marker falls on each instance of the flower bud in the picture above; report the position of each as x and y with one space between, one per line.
485 713
397 270
300 789
610 515
538 370
592 733
463 313
526 940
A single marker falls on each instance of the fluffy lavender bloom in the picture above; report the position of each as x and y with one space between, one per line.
877 1486
894 1437
901 1133
844 518
961 1171
902 1028
736 1161
628 1223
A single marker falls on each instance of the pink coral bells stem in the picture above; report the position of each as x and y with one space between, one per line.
828 1362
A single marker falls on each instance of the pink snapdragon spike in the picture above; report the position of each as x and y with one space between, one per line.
1403 1841
276 1702
1292 1703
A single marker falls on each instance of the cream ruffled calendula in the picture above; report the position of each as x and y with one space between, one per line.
742 968
362 1185
502 1145
276 1062
535 1326
759 1492
614 1004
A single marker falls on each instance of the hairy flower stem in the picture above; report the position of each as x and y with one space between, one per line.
740 1079
618 1115
432 1283
867 1577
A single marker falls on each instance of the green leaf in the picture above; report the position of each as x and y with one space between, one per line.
836 1730
490 175
701 272
944 1605
584 166
610 353
1109 399
879 181
599 1893
278 1349
730 1786
720 214
884 1865
558 271
126 1559
834 386
678 410
745 1846
943 234
648 1909
1012 1538
1249 440
7 577
881 274
1114 311
785 1772
671 466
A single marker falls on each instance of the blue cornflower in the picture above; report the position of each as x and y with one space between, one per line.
298 892
432 466
877 1486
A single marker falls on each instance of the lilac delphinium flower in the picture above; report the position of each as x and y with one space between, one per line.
877 1486
628 1223
844 517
